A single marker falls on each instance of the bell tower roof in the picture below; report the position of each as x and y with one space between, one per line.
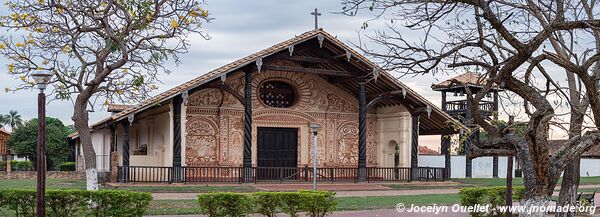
471 79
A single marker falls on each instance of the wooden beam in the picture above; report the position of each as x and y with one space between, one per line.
309 70
225 87
308 59
340 80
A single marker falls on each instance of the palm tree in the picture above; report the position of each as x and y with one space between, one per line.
3 120
14 119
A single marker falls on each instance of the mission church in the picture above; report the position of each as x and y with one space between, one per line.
249 120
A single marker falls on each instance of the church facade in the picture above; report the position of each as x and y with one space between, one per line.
253 115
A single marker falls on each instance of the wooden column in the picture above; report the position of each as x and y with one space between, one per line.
495 115
468 161
113 148
444 107
362 131
509 178
495 166
414 150
176 175
125 170
446 150
469 140
248 176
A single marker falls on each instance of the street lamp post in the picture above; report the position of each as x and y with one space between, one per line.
41 79
315 130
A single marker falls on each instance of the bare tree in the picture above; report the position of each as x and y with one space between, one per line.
507 41
110 50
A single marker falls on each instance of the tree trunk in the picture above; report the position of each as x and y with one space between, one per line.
534 206
568 188
535 182
570 181
80 117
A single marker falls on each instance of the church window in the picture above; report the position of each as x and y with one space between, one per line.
277 94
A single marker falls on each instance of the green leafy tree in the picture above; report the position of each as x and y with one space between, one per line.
98 51
3 120
24 141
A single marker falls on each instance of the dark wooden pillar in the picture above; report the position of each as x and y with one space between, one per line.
362 131
248 176
113 146
468 161
509 178
125 169
444 107
414 150
176 175
469 140
113 138
446 150
495 116
495 166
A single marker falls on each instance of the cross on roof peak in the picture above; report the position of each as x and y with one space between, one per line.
316 14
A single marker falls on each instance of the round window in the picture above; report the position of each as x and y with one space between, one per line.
277 94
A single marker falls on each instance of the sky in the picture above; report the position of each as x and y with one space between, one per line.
239 28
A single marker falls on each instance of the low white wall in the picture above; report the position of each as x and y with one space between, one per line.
589 167
483 166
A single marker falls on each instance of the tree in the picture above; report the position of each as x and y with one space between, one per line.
108 50
14 119
506 41
24 141
3 120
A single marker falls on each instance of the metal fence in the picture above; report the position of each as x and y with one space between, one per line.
275 174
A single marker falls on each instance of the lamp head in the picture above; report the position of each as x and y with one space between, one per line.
41 79
314 127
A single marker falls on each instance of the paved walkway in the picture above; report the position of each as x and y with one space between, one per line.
361 213
368 193
343 191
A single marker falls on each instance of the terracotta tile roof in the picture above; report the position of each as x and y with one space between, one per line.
250 59
554 145
424 150
4 131
469 78
117 107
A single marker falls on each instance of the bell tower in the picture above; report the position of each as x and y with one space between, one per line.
455 103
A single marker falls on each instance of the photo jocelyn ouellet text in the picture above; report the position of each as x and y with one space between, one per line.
487 208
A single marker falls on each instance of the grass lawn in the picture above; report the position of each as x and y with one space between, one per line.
485 182
181 207
50 184
80 184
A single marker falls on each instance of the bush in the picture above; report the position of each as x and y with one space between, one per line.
21 165
494 196
318 203
221 204
314 203
267 203
66 166
67 203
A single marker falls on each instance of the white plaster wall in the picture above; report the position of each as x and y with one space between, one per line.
393 124
482 166
101 145
589 167
154 132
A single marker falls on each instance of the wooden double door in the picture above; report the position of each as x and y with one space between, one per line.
277 153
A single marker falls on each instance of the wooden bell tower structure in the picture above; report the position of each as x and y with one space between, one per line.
455 103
